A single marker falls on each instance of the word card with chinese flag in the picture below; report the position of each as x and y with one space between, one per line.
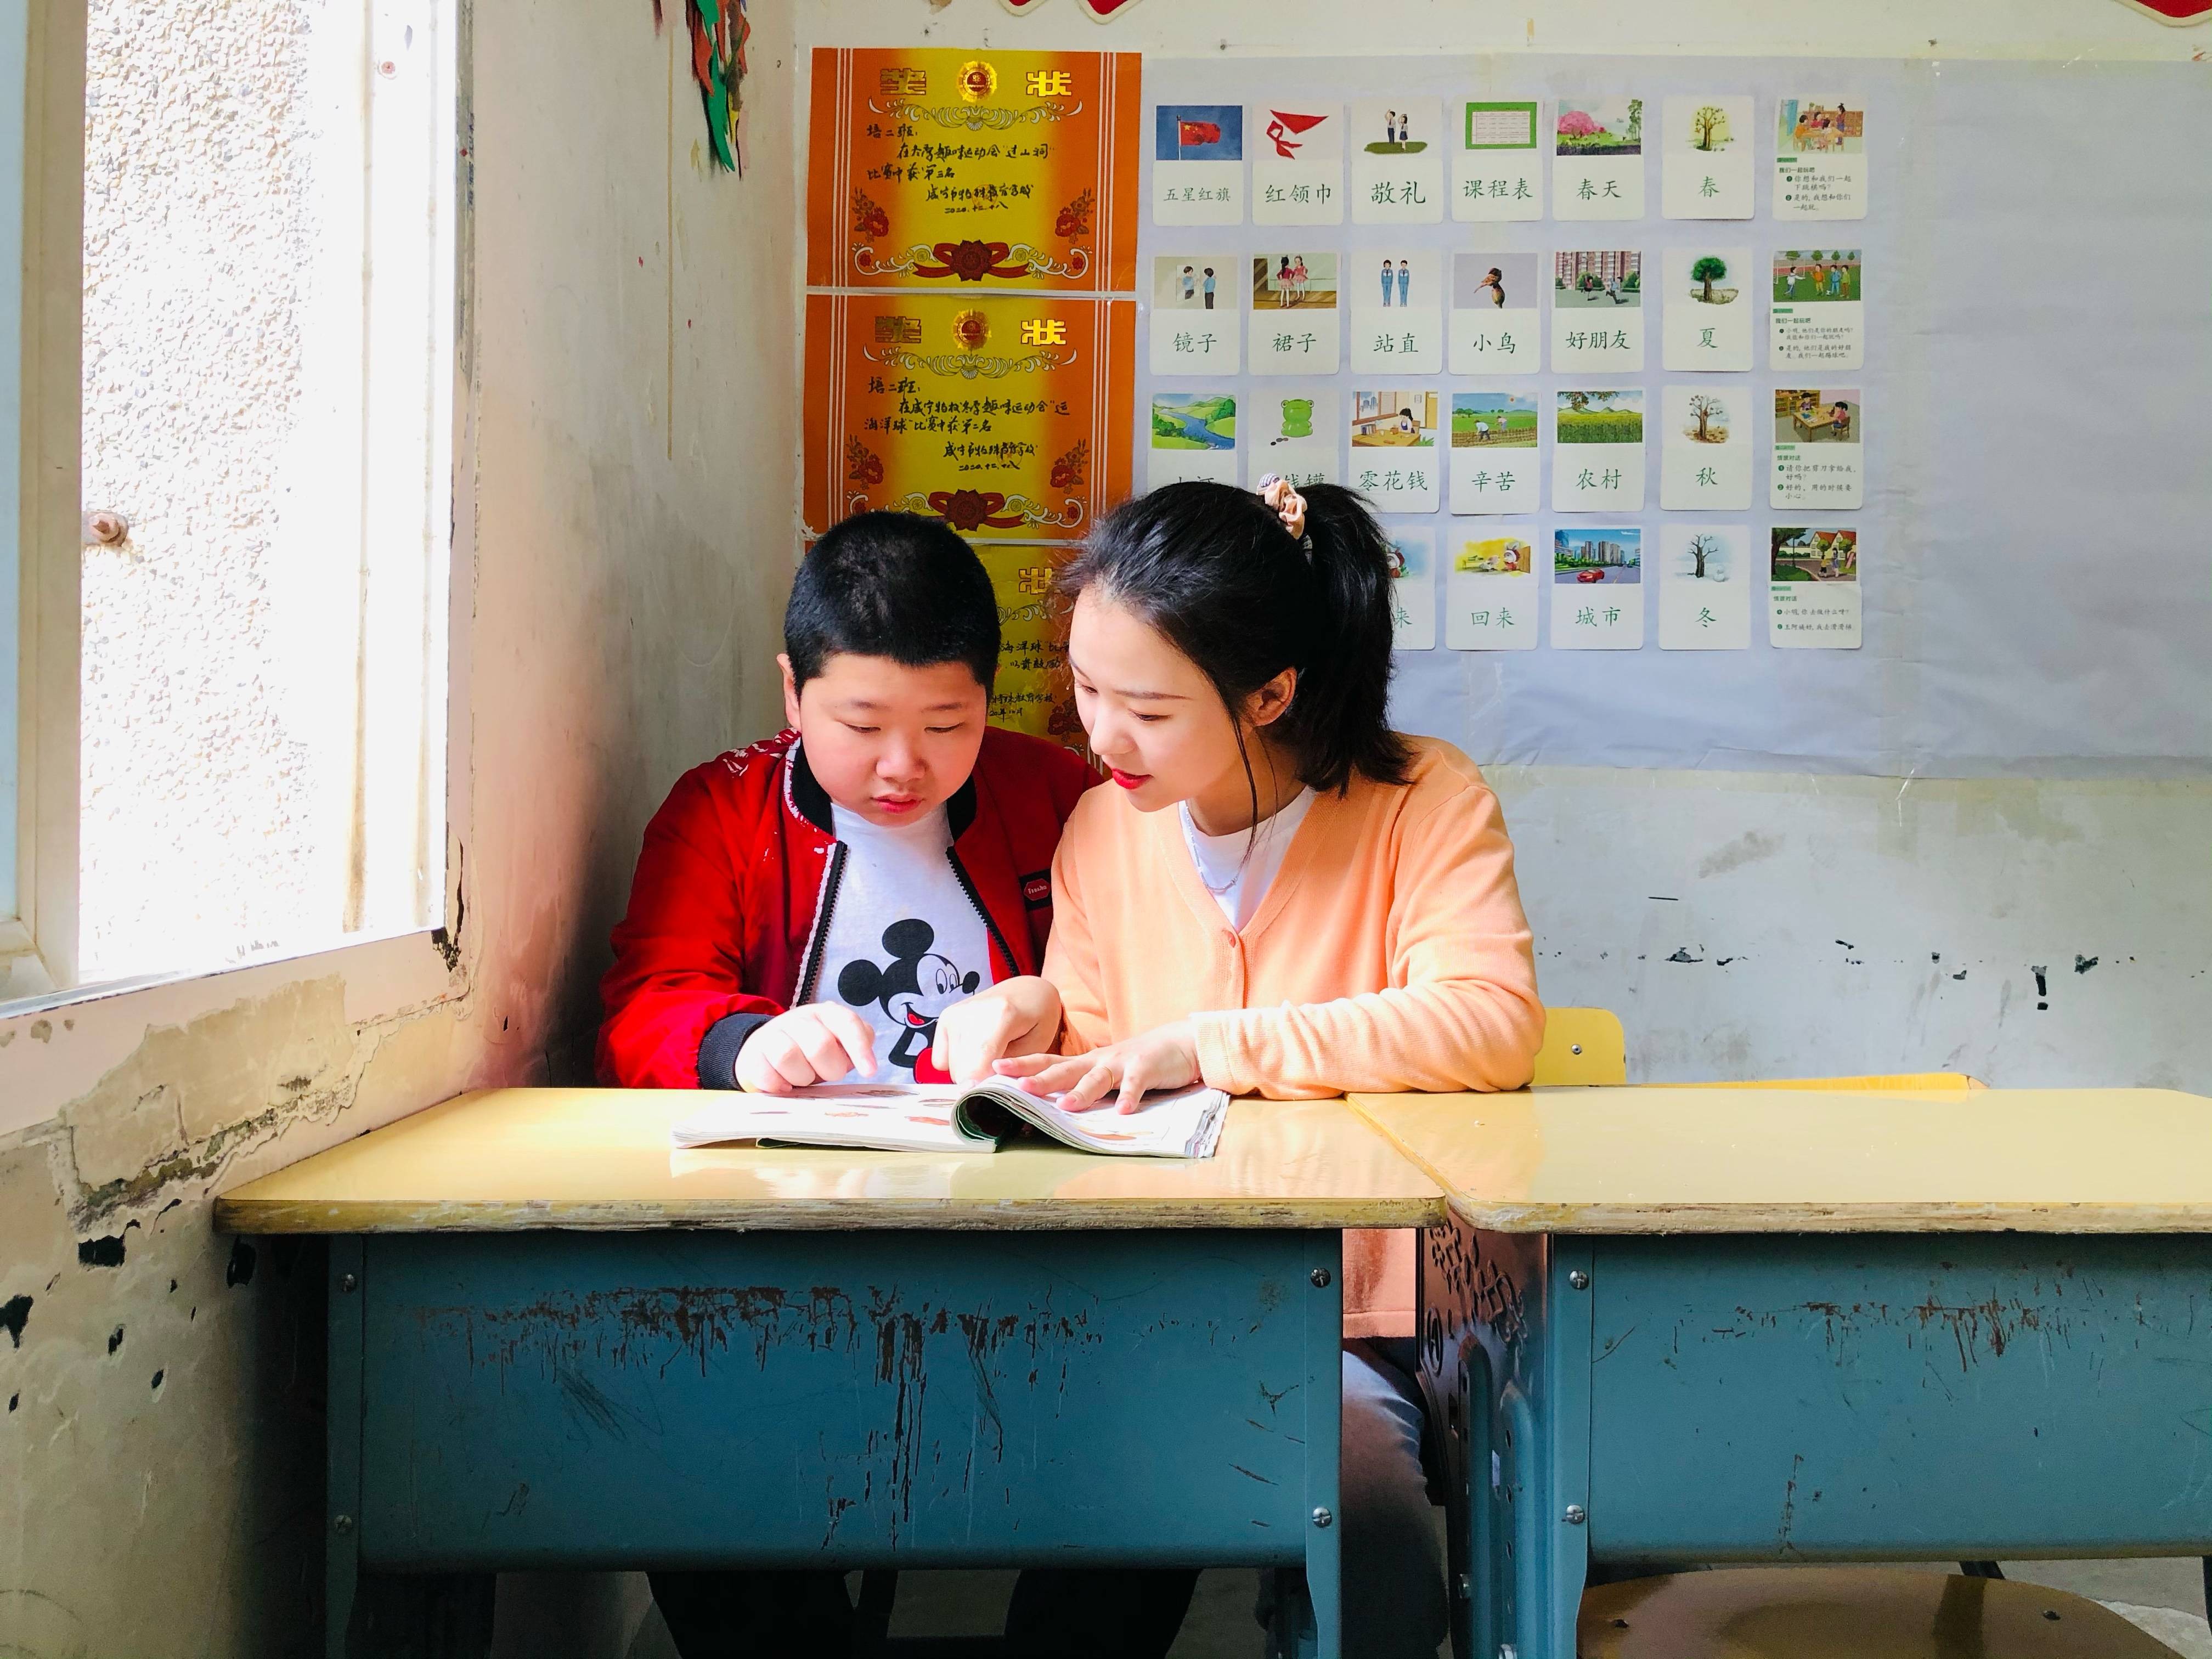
1198 164
1297 163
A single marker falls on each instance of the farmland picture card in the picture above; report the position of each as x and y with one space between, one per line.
1597 451
1493 452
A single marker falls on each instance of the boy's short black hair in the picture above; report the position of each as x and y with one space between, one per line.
892 585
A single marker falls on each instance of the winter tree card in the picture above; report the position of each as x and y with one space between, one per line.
1819 163
1397 311
1705 447
1597 589
1704 159
1394 449
1704 587
1819 318
1705 314
1816 450
1193 436
1498 161
1198 164
1597 451
1288 432
1294 312
1397 161
1297 163
1598 173
1494 315
1813 589
1413 589
1493 452
1597 311
1491 595
1194 311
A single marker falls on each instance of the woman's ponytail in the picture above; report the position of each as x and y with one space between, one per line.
1339 723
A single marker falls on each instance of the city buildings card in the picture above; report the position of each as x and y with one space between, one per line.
1397 161
1597 589
1495 320
1813 589
1597 311
1297 163
1704 587
1195 318
1706 435
1413 589
1705 312
1295 318
1395 463
1704 159
1198 164
1288 432
1397 311
1491 593
1193 436
1817 450
1819 162
1598 171
1819 316
1597 451
1493 452
1498 161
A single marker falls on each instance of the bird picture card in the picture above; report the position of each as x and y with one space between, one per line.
1297 163
1295 315
1597 451
1193 436
1394 449
1193 315
1413 589
1818 320
1598 170
1397 311
1198 164
1497 159
1819 162
1597 589
1813 589
1288 432
1817 450
1704 587
1705 447
1705 314
1494 326
1493 452
1490 594
1704 159
1597 311
1397 161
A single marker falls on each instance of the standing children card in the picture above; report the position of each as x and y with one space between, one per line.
1397 311
1706 322
1397 161
1194 326
1704 159
1297 163
1816 450
1493 324
1704 587
1599 170
1193 436
1490 597
1597 311
1597 455
1413 589
1704 449
1493 452
1813 589
1597 589
1287 431
1819 163
1294 314
1498 163
1394 449
1198 164
1819 318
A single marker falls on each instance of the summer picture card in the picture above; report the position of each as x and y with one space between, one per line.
1395 463
1813 588
1597 311
1818 320
1397 311
1493 452
1194 435
1706 440
1498 161
1195 316
1289 432
1705 158
1597 589
1817 449
1413 589
1597 451
1397 147
1704 587
1491 592
1821 163
1597 172
1198 164
1495 323
1295 315
1705 312
1297 162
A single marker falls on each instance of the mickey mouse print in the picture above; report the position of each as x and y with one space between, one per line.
903 997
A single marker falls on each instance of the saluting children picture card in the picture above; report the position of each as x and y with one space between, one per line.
1394 449
1813 589
1597 311
1295 328
1397 161
1491 593
1704 159
1820 164
1706 323
1494 323
1819 314
1817 449
1413 589
1288 432
1297 163
1597 589
1193 436
1497 159
1597 451
1195 320
1705 447
1598 171
1198 164
1704 587
1493 452
1397 311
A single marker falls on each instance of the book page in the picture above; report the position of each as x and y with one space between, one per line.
896 1117
1172 1123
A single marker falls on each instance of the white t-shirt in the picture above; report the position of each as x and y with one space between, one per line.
906 942
1237 882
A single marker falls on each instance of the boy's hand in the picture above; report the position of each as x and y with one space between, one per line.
1165 1057
1014 1017
820 1042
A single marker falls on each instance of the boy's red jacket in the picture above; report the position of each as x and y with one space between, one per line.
730 903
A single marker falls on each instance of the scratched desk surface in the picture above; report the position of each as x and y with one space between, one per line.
509 1159
1752 1160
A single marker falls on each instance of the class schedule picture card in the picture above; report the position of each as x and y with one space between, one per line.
1287 431
1597 311
1297 163
1497 165
1598 172
1413 589
1495 319
1397 311
1819 315
1198 164
1394 449
1493 452
1194 312
1397 161
1704 449
1817 450
1813 589
1490 594
1704 159
1193 436
1295 328
1597 451
1704 587
1597 589
1819 163
1704 317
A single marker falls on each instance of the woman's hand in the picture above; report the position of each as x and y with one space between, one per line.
819 1042
1165 1057
1014 1017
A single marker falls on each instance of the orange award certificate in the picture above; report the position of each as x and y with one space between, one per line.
1007 416
943 168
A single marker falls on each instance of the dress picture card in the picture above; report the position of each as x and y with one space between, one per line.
1598 172
1490 594
1397 161
1198 164
1706 435
1704 159
1194 313
1597 311
1705 309
1295 328
1819 163
1498 163
1394 449
1817 450
1813 589
1704 587
1413 589
1819 315
1288 432
1495 318
1493 452
1597 589
1597 451
1297 163
1193 436
1397 311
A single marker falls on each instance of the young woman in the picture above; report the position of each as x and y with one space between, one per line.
1282 897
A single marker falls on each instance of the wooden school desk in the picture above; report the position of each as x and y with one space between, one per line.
1680 1325
557 1342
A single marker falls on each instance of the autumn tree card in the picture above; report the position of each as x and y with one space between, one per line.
1705 159
1397 161
1820 164
1288 432
1397 311
1597 311
1597 589
1198 164
1813 589
1294 312
1817 449
1490 594
1493 452
1498 163
1705 316
1494 315
1193 436
1194 312
1598 173
1819 316
1704 587
1705 447
1413 589
1394 449
1597 452
1297 163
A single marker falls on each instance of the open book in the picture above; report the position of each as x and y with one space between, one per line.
946 1117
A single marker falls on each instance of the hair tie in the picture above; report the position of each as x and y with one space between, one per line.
1289 506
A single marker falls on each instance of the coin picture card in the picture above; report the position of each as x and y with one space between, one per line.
1289 431
1394 452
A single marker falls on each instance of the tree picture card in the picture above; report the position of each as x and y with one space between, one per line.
1704 587
1704 159
1706 435
1198 164
1493 452
1597 451
1819 163
1819 315
1194 319
1413 589
1193 436
1288 432
1498 161
1295 314
1597 589
1397 311
1495 320
1297 163
1705 315
1394 449
1817 449
1813 589
1598 172
1597 311
1491 593
1397 161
